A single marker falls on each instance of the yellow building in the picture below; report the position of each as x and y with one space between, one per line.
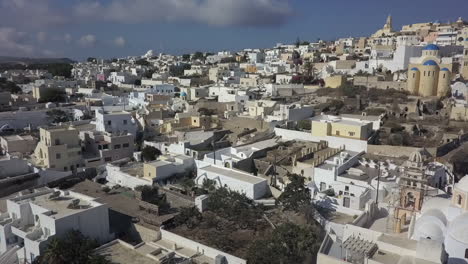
59 149
429 77
335 81
324 125
464 72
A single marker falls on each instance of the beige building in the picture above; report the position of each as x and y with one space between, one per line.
102 147
59 149
166 167
335 81
464 71
17 144
429 77
324 125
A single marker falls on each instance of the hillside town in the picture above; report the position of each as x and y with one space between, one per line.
353 150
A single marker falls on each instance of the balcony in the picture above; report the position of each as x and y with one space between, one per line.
5 219
21 229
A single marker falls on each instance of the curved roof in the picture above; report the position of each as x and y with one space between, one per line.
416 157
431 47
183 94
414 69
462 184
458 227
445 69
430 63
436 203
428 230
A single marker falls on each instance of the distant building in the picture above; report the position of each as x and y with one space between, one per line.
431 76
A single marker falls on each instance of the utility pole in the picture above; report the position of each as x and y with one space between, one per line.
378 183
214 151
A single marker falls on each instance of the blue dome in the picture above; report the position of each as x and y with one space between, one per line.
445 69
183 94
431 47
430 63
414 69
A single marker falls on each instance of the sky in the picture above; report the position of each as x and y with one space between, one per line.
79 29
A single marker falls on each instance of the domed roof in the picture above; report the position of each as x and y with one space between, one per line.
458 227
414 69
436 203
428 230
430 63
416 157
462 184
445 69
431 47
183 94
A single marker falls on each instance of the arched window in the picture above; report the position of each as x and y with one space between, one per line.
227 165
459 199
444 75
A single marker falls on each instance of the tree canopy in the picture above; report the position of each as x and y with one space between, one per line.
288 243
59 116
73 248
296 195
7 86
150 153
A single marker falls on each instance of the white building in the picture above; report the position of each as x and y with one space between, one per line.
445 220
116 122
253 187
32 219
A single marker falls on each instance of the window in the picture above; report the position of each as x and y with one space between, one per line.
57 156
351 134
444 76
466 253
109 122
108 159
414 75
337 133
65 168
106 146
459 199
346 188
125 122
126 145
57 142
117 146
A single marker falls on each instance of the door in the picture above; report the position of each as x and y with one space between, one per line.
346 202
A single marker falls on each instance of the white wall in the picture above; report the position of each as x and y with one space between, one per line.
333 142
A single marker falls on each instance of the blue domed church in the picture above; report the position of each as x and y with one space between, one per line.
428 75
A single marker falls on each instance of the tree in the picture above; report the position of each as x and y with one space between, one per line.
59 116
54 95
288 243
296 194
7 86
91 59
189 216
198 56
73 248
150 153
209 185
142 62
186 57
304 124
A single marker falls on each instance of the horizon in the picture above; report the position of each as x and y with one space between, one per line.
79 29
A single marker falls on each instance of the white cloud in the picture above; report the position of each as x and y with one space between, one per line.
212 12
13 42
87 40
31 13
41 36
120 41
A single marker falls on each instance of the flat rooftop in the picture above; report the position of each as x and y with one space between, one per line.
17 138
118 253
241 176
59 203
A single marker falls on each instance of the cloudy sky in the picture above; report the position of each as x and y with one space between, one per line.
117 28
